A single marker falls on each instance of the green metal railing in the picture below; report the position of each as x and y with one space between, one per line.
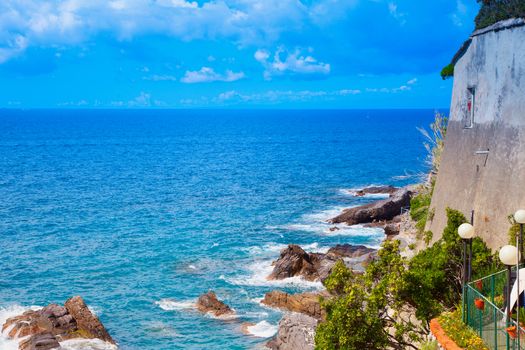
489 320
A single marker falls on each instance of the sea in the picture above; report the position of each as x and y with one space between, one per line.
141 211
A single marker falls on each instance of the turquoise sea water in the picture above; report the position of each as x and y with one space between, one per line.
141 211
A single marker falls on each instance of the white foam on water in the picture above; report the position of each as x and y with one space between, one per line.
262 329
352 192
72 344
171 304
273 248
260 270
7 312
87 344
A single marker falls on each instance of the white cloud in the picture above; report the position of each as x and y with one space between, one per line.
285 62
273 96
394 12
161 78
70 22
206 75
404 87
13 47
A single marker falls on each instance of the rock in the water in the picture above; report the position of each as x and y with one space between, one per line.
294 261
40 341
381 210
244 327
55 323
87 323
376 190
209 303
305 303
296 332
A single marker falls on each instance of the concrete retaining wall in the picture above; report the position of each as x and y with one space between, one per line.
483 166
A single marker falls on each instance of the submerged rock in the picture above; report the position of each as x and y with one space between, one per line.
54 323
296 332
305 303
382 210
209 303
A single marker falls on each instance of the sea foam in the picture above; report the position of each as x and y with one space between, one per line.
72 344
262 329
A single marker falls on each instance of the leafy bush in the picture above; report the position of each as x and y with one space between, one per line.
430 345
364 312
447 71
493 11
433 280
419 205
464 336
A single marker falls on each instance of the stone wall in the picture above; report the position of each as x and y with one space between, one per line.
483 163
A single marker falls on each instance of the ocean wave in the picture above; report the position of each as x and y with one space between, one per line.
260 270
262 329
353 193
273 248
87 344
72 344
171 304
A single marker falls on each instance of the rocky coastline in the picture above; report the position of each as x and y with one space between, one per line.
303 311
45 328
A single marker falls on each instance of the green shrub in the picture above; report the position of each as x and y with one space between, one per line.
419 205
433 280
493 11
464 336
430 345
447 71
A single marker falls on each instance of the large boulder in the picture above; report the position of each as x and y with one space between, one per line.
54 323
294 261
296 332
87 323
382 210
305 303
209 303
376 190
40 341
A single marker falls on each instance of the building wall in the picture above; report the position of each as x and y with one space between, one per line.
493 184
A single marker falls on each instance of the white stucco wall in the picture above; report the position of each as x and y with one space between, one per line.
492 185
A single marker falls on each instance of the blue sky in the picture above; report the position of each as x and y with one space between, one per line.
229 53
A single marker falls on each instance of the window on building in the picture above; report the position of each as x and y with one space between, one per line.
469 117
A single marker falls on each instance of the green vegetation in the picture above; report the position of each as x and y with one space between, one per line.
465 337
434 143
493 11
429 345
369 311
447 71
514 229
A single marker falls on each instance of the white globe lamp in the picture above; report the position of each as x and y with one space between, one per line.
466 231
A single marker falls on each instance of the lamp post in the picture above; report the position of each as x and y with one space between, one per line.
519 217
466 232
508 255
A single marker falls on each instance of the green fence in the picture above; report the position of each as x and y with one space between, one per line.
484 311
